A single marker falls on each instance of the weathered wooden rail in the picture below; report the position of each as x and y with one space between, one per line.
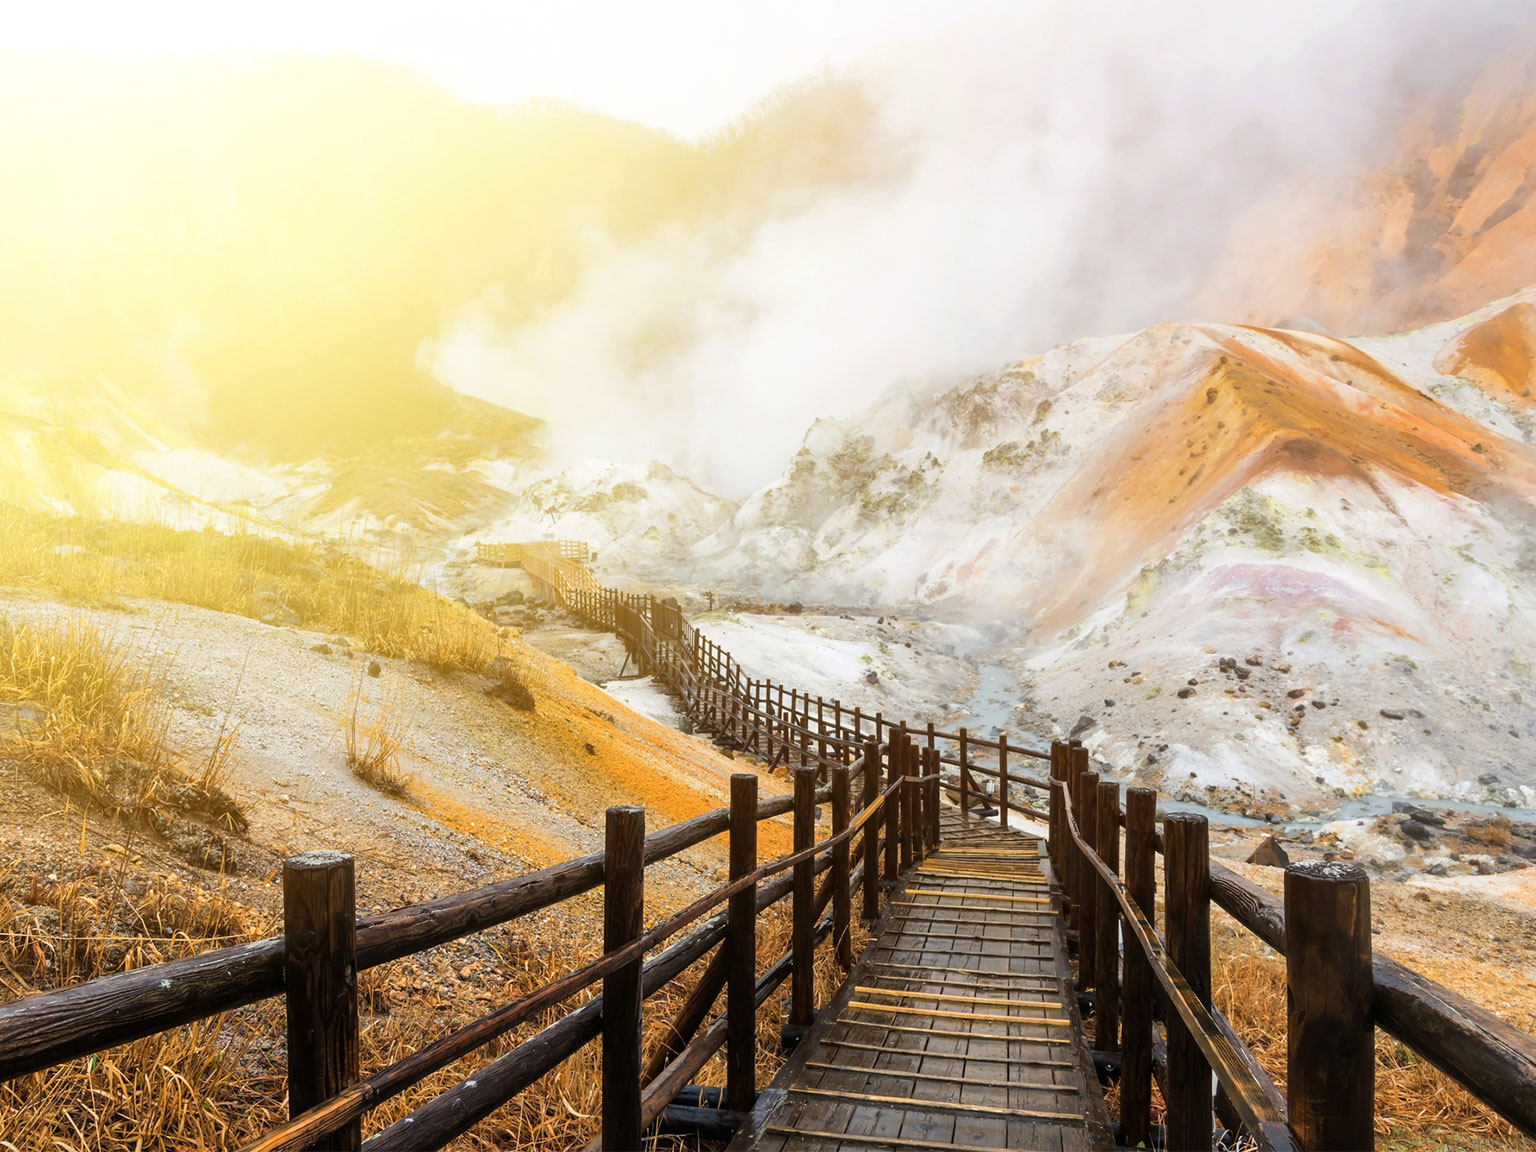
1338 993
884 784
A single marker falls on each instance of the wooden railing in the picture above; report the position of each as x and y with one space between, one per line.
511 555
1338 993
775 722
314 965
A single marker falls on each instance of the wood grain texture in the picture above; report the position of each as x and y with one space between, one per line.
1136 1044
320 955
1186 901
623 921
1330 1037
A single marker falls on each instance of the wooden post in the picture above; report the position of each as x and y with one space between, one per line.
908 761
1187 907
1068 848
924 819
320 951
871 879
965 783
1136 1027
821 737
802 1012
893 751
842 938
1331 1039
623 920
919 806
1054 844
858 725
934 833
1002 778
1106 965
1087 813
1078 766
741 941
802 723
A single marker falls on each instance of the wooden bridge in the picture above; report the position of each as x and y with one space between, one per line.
1009 975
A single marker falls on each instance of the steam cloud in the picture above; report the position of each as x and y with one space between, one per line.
1065 170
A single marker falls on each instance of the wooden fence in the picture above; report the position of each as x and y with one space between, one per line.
314 965
884 783
1132 972
1338 993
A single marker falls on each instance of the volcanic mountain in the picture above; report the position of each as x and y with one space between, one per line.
1216 534
1437 224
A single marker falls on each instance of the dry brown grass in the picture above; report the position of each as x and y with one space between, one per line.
87 721
373 747
1412 1097
323 586
190 1087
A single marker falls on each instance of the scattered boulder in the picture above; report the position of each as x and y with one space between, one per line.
1296 693
1186 693
1391 714
513 692
871 677
1414 830
1254 661
794 609
1422 815
1083 724
323 649
1270 854
375 669
1487 779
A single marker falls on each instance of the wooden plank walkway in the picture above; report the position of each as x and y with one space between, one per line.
958 1027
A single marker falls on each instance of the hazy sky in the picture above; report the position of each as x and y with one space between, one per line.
687 66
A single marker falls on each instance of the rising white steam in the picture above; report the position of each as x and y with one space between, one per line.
1047 173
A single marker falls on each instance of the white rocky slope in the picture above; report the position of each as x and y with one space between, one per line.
1257 565
95 452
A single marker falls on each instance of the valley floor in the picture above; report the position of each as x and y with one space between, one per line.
497 791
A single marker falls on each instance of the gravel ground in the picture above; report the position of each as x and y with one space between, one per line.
494 790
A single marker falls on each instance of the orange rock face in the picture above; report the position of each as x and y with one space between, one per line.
1255 401
1441 226
1499 355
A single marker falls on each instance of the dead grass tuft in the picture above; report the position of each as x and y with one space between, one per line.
89 723
373 747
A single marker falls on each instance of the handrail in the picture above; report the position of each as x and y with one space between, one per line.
1253 1104
46 1028
1489 1057
573 583
355 1100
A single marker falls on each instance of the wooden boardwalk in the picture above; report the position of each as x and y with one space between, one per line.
957 1028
